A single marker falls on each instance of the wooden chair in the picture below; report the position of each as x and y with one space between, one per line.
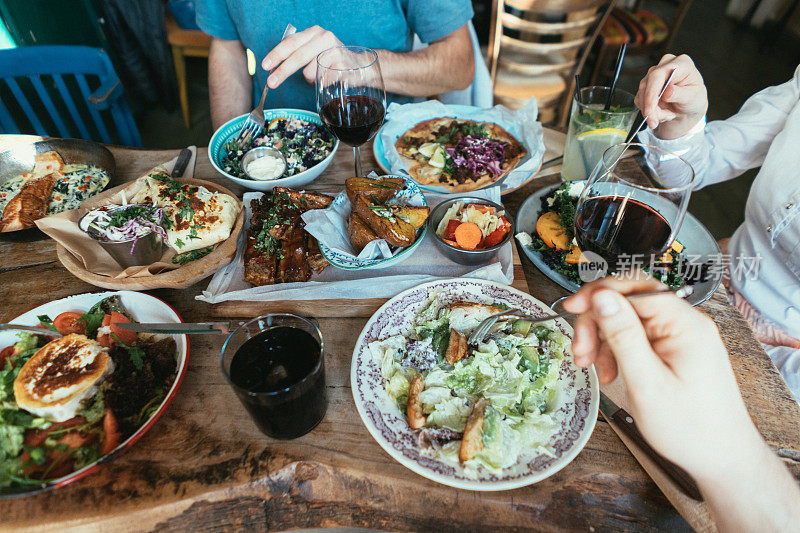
649 36
64 91
185 43
537 46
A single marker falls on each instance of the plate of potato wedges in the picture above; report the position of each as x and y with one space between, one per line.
391 209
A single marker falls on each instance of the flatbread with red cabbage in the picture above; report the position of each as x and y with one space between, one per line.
460 155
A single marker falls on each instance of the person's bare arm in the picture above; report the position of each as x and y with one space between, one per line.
443 66
446 64
683 394
229 84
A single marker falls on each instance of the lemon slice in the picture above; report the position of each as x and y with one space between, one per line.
605 131
594 143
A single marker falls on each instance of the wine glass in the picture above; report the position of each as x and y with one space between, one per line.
351 99
631 208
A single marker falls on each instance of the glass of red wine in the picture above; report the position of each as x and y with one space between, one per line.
351 99
632 207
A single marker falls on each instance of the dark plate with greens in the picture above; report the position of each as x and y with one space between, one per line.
700 250
38 454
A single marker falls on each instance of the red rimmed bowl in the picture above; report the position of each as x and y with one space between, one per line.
143 308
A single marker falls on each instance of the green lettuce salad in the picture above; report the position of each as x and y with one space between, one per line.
515 369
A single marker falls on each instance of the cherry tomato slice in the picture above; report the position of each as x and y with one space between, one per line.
69 322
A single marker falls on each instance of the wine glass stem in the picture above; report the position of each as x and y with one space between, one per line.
357 157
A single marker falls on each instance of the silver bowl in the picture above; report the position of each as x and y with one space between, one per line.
262 151
146 251
459 255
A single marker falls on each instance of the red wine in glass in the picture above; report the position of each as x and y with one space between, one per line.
633 205
353 119
611 226
351 99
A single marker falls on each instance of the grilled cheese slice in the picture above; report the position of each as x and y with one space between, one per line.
55 381
198 218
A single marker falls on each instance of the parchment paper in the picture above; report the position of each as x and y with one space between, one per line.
330 227
521 123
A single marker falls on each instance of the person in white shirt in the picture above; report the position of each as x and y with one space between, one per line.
766 133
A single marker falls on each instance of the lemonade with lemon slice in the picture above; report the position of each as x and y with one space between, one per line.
593 129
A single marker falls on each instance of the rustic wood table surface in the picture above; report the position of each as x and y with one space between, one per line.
205 466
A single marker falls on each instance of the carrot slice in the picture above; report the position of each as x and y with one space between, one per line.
451 243
468 235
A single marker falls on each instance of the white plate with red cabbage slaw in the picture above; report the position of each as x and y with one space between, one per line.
529 133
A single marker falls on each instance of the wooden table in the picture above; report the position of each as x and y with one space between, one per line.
205 465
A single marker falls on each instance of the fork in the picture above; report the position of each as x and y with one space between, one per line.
255 121
479 334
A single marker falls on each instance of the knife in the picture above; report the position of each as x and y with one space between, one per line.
182 328
32 329
180 165
619 416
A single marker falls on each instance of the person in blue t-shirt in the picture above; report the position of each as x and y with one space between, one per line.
388 26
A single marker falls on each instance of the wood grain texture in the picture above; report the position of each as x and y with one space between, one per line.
205 466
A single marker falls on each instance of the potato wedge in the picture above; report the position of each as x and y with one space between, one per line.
384 223
472 441
416 216
551 231
378 190
456 348
416 418
360 234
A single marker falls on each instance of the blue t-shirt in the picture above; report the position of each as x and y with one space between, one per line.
378 24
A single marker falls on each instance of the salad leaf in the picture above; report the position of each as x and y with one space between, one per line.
451 413
95 409
47 322
11 440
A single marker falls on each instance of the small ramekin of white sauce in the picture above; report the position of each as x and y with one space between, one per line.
264 163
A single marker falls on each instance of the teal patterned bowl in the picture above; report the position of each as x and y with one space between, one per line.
230 130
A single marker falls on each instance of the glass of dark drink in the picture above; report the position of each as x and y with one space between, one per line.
351 99
276 365
632 207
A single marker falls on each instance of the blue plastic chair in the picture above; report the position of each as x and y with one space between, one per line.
64 91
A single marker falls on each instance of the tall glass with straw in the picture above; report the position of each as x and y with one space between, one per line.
600 118
593 129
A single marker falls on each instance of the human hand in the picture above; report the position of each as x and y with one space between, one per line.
298 51
684 102
680 384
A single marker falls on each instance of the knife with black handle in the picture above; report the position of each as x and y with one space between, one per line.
619 416
180 165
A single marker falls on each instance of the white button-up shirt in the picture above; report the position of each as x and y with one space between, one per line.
766 133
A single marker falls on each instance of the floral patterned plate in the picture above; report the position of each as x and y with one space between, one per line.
574 408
